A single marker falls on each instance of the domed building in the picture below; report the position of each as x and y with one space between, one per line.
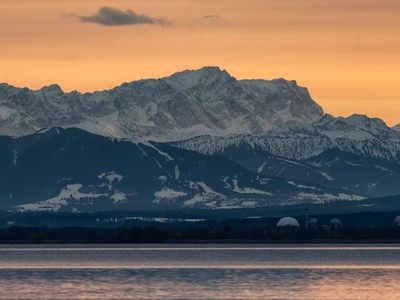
396 222
288 222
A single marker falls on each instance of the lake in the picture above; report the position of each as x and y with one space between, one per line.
200 271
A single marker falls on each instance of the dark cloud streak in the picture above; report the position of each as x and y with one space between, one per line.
110 16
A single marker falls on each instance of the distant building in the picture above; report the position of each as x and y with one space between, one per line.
396 222
288 222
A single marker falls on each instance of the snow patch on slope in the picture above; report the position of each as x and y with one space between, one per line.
207 198
246 190
68 193
167 195
177 172
110 177
326 197
119 197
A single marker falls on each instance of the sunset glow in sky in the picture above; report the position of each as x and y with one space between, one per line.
347 52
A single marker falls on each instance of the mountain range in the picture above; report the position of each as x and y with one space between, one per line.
186 104
195 139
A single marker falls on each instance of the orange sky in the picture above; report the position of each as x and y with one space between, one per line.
347 52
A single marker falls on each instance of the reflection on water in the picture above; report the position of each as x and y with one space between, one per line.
198 272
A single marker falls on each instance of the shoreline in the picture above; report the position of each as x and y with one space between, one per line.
212 242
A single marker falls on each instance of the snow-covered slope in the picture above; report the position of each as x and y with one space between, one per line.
73 170
184 105
355 153
357 134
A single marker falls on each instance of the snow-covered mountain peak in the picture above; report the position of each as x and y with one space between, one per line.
183 105
204 78
358 135
4 86
367 126
366 122
198 74
292 101
7 89
52 89
363 125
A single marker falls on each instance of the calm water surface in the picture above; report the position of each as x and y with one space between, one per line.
199 272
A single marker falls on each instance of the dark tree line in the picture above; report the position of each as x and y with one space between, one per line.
153 234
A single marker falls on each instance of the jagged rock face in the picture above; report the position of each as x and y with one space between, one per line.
396 128
184 105
359 135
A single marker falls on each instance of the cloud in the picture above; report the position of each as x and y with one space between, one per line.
213 19
111 16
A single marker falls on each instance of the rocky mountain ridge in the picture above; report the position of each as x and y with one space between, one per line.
357 134
259 143
183 105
